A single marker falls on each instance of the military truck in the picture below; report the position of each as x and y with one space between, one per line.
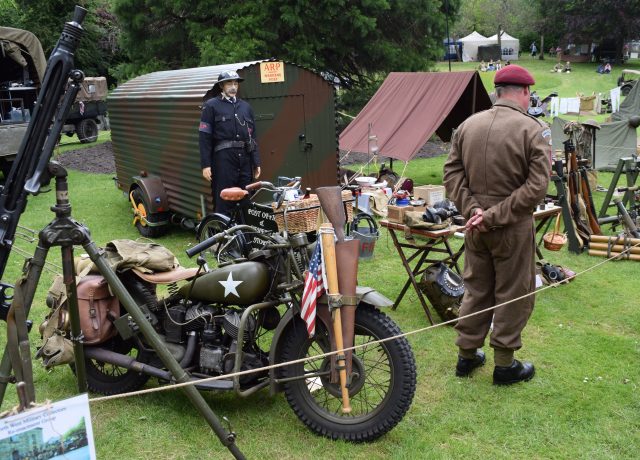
154 130
22 68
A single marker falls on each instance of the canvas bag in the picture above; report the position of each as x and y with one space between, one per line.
124 254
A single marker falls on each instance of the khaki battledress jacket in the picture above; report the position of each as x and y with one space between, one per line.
500 161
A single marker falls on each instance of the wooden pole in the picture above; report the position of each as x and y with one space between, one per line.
626 255
331 271
615 248
614 239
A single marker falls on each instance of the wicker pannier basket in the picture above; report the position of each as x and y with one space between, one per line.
302 215
555 240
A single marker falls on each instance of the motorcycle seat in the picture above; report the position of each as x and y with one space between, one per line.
178 274
233 194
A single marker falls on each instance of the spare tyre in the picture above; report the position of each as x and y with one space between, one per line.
87 130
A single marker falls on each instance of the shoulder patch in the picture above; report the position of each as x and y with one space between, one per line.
547 134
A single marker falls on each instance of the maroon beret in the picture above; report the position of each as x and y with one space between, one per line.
513 75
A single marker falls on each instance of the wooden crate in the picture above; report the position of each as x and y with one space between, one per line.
396 213
429 193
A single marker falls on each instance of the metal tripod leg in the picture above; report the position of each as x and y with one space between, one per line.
32 271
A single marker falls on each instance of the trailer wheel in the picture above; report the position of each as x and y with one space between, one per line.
87 130
142 210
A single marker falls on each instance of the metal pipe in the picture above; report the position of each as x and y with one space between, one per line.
128 362
238 356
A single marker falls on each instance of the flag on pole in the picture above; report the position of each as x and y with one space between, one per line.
313 288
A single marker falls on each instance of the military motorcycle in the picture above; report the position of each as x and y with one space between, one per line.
243 317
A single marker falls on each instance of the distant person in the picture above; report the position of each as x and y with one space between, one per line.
557 68
498 65
607 68
558 50
534 49
491 65
507 63
567 67
483 66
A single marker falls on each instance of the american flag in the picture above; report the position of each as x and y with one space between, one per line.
313 288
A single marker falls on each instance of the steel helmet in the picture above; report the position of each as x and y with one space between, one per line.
229 75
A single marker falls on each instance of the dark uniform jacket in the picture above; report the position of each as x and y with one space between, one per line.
500 161
222 120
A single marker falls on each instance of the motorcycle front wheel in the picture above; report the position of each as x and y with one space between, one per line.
383 379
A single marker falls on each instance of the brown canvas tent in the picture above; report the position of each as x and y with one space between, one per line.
410 106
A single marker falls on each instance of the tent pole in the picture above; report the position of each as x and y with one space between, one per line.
473 97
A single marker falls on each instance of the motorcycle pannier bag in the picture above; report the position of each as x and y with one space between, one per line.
97 308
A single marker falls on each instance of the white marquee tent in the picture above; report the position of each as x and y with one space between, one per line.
470 45
510 46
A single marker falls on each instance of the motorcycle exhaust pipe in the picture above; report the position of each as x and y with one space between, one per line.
108 356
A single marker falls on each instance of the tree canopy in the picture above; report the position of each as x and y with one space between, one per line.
593 21
351 40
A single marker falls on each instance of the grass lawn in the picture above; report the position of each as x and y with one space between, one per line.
583 338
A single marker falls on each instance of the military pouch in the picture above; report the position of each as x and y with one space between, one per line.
97 309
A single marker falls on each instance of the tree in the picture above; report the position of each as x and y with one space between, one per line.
594 21
518 17
351 40
45 19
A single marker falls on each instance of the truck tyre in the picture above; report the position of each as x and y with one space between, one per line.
87 130
142 206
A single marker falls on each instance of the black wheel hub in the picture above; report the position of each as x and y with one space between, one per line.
358 378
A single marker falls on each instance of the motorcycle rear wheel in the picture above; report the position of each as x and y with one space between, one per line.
379 397
109 379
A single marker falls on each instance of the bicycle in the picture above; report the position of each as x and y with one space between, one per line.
252 208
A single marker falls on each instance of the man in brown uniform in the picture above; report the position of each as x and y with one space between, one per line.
497 172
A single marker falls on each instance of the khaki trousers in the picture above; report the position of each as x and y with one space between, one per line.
499 266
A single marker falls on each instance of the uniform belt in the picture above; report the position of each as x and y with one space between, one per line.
229 145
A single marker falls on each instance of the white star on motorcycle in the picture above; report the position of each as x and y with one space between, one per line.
230 286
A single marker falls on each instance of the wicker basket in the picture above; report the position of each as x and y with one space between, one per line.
555 240
302 215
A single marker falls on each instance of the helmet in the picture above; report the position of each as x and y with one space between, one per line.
513 75
229 75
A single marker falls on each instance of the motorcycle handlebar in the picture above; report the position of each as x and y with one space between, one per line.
206 244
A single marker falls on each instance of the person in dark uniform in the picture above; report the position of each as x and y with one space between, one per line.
229 154
497 172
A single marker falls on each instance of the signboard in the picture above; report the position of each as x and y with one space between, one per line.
58 430
272 72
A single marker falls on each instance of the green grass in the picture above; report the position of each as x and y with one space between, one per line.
583 338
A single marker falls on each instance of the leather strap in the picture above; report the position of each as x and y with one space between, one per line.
229 145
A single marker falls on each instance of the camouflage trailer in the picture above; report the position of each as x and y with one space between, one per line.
154 128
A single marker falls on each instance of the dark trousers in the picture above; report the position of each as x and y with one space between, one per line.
499 265
231 168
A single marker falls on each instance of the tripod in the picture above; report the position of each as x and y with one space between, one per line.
65 232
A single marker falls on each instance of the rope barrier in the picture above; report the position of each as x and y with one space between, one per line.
356 347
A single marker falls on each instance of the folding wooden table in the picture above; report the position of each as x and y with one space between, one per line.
418 252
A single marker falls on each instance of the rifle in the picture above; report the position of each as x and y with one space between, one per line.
584 232
29 170
588 201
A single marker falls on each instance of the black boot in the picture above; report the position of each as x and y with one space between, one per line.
466 366
517 372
